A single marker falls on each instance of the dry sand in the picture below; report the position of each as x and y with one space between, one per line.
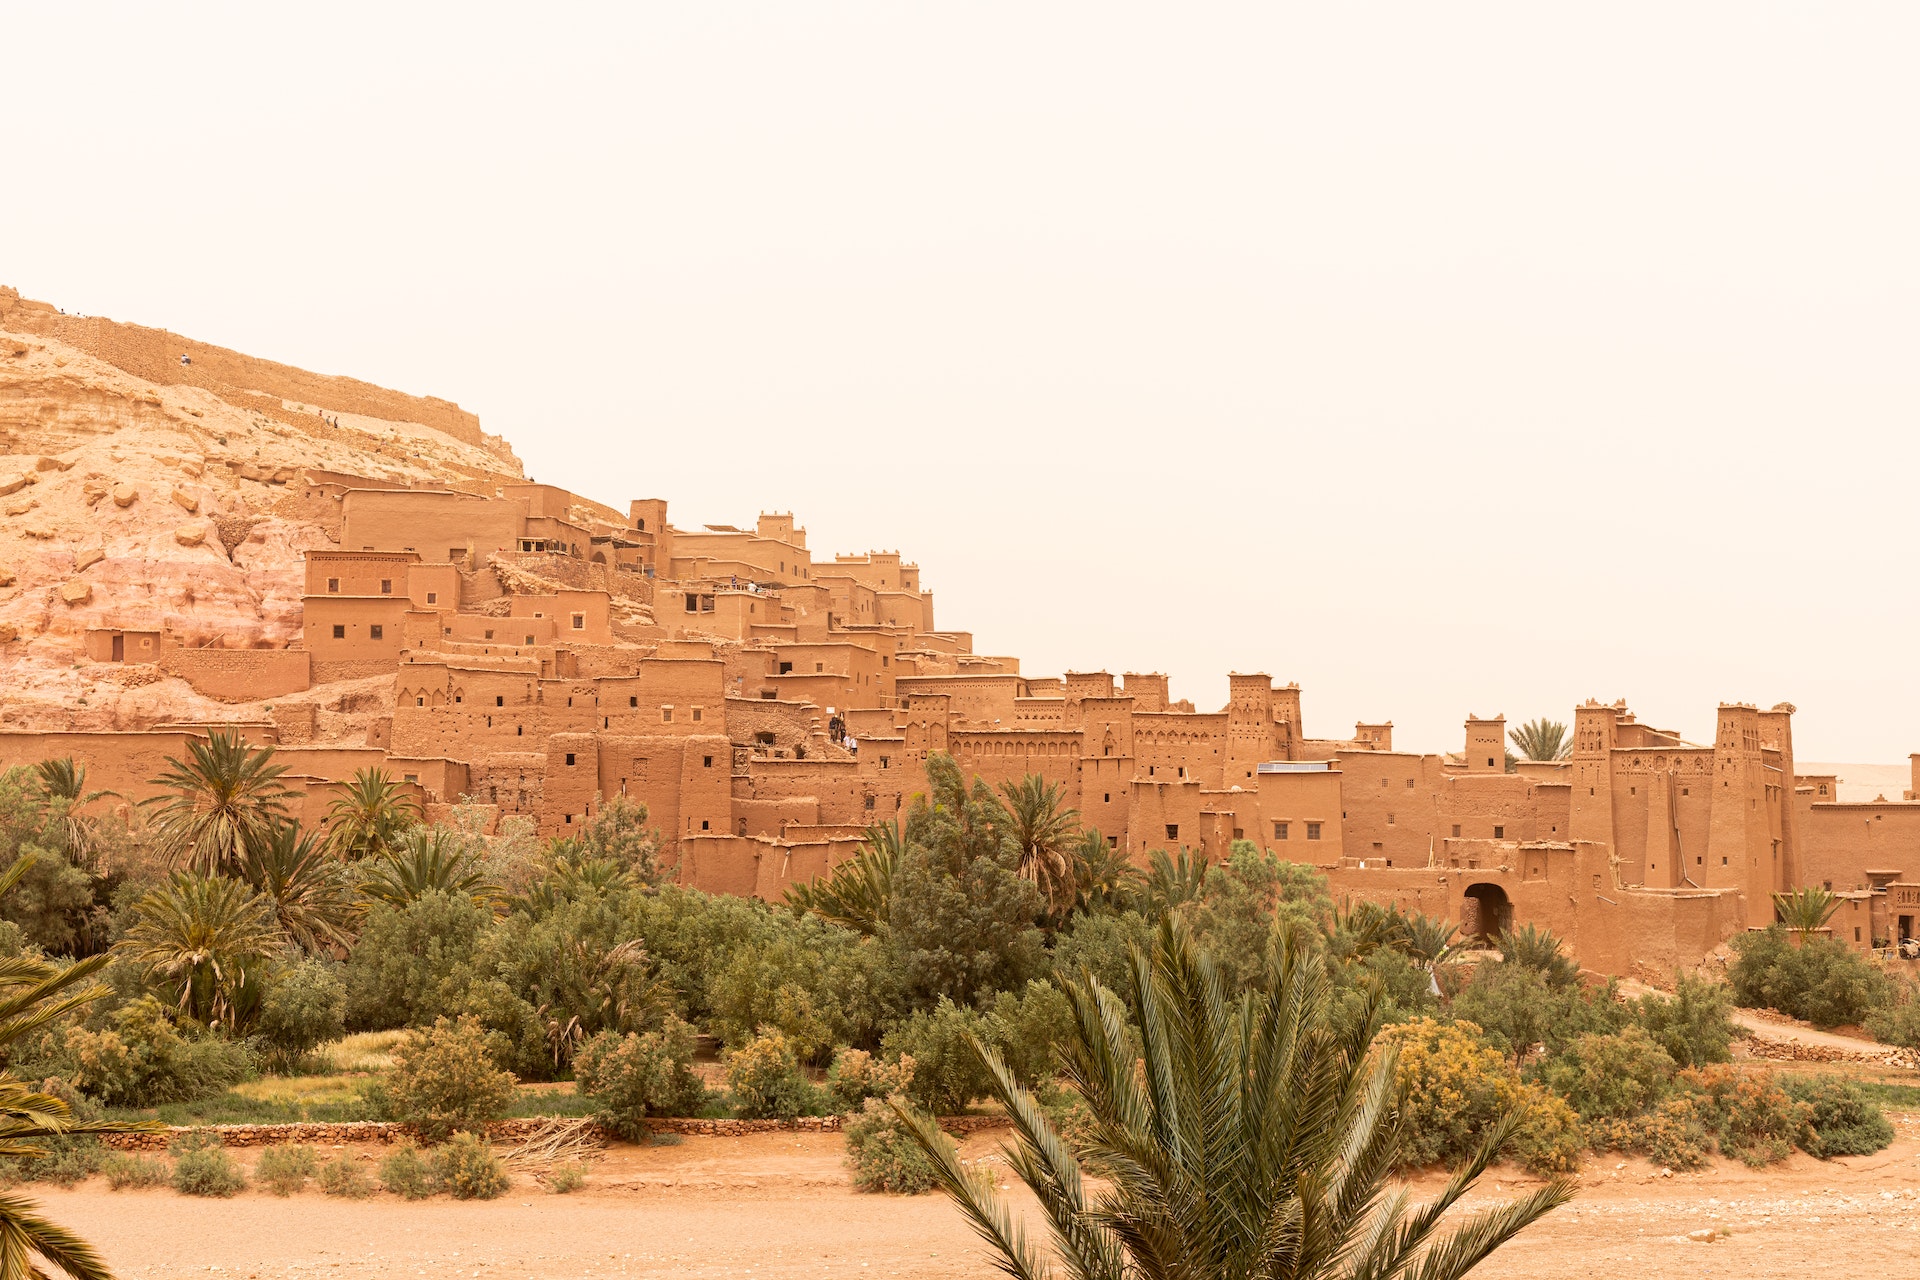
779 1207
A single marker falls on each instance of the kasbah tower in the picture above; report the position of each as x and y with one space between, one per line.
195 539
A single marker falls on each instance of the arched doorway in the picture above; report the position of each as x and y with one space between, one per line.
1485 911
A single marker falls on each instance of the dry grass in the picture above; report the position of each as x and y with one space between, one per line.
364 1051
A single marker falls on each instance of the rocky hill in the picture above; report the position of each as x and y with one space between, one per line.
141 492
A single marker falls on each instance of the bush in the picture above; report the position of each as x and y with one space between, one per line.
1675 1133
142 1059
1248 902
767 1082
285 1170
67 1161
1820 980
124 1170
202 1167
1102 944
1841 1120
1692 1026
305 1006
411 964
1895 1017
342 1176
1453 1085
1752 1120
947 1073
565 1179
1616 1077
1025 1026
467 1169
631 1077
442 1081
883 1156
857 1075
406 1173
817 984
1518 1006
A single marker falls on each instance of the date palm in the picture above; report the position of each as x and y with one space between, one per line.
1540 949
64 780
369 814
423 860
1804 911
205 940
1045 829
859 892
225 797
1542 739
1248 1138
33 994
304 885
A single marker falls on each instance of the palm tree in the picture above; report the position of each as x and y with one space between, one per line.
206 939
1103 878
1244 1138
1172 882
1044 829
1366 927
423 860
34 993
1542 739
859 892
64 780
1537 949
304 886
1804 911
1431 942
226 798
368 814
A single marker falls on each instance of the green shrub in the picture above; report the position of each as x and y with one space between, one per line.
767 1082
630 1077
857 1075
142 1060
1248 902
565 1179
1821 980
411 964
817 984
124 1170
947 1073
1752 1119
1841 1120
883 1156
1102 944
1518 1006
467 1169
1611 1077
1673 1134
202 1167
1453 1085
342 1176
67 1161
1025 1026
1692 1026
406 1173
1895 1017
285 1170
443 1081
305 1006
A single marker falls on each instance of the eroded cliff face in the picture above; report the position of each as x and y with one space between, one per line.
133 503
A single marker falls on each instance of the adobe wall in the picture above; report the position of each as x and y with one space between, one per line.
240 675
123 762
154 354
434 523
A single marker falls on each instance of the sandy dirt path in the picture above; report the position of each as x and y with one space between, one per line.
778 1207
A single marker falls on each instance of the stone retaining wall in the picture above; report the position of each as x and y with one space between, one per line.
372 1131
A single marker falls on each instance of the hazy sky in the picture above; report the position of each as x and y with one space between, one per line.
1444 358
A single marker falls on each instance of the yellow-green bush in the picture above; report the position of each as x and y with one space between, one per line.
1453 1086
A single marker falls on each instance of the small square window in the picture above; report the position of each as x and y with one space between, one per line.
633 701
1173 831
433 597
376 632
569 757
706 762
1499 833
339 632
579 622
499 700
333 585
696 714
489 633
869 802
386 586
1279 831
419 702
666 715
1456 831
1313 831
1409 784
529 640
1383 782
704 824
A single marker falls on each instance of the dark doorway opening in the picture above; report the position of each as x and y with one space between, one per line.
1485 912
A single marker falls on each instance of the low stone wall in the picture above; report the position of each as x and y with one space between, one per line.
374 1131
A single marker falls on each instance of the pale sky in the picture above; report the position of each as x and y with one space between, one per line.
1443 358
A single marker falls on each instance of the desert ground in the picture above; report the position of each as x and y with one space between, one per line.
779 1207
